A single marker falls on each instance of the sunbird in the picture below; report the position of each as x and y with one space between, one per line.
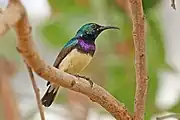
75 56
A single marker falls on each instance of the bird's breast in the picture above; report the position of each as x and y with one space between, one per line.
75 62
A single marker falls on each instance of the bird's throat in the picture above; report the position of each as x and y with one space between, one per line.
86 47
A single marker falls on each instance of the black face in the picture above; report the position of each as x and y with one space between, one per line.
91 31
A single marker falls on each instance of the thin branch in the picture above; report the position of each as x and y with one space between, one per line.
36 91
173 5
177 116
7 70
26 47
140 58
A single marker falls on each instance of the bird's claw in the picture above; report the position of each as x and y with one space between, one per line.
86 78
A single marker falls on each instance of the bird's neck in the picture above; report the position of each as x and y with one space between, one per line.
86 46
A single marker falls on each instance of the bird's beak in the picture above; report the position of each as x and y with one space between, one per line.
102 28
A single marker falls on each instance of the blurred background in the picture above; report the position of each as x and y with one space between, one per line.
54 22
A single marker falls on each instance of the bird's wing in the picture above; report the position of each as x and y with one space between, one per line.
65 50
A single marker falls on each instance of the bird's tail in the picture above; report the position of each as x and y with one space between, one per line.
49 96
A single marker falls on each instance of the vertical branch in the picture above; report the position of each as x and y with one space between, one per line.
7 69
140 58
36 90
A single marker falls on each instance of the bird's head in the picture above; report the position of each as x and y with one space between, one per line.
91 31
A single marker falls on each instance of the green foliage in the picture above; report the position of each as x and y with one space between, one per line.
148 4
69 6
121 81
55 33
175 108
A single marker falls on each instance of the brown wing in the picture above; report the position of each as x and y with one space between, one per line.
61 56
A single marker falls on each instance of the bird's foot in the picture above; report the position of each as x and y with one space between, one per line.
86 78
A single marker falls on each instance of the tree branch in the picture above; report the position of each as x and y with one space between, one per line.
36 91
26 47
140 58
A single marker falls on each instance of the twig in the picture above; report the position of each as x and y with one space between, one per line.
26 47
7 70
36 91
173 5
177 116
140 58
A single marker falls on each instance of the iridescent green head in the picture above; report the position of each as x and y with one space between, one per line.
91 31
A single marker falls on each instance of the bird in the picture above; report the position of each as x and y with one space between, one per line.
76 54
